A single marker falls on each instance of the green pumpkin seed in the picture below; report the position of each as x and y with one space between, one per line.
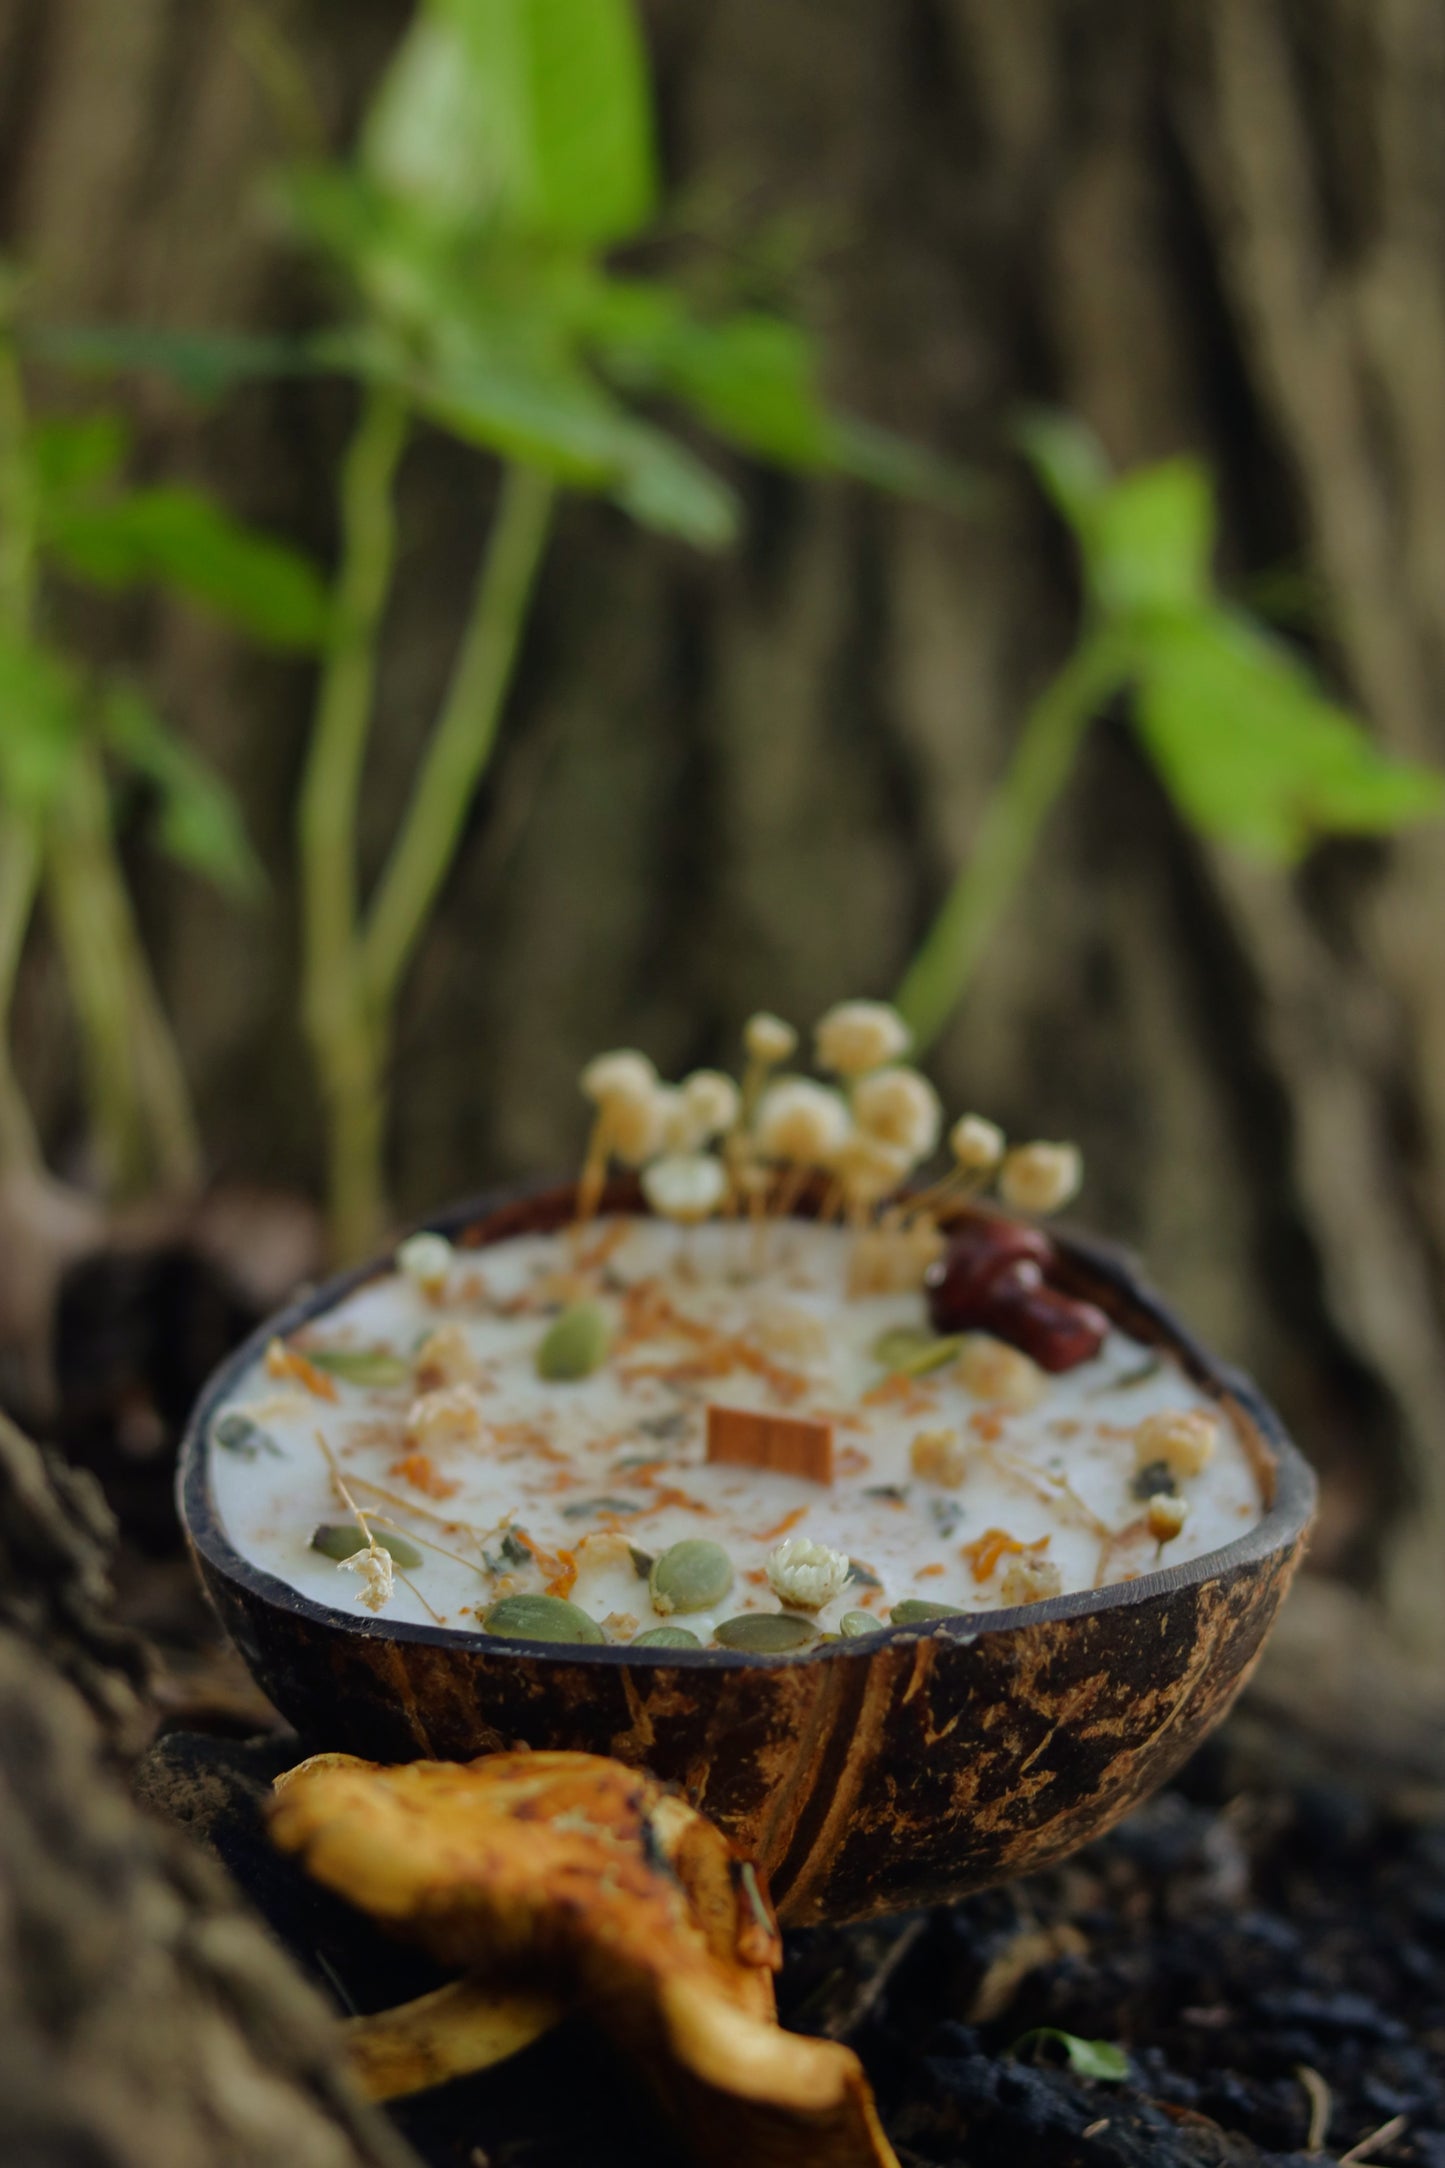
642 1561
342 1539
913 1611
666 1637
853 1623
237 1434
690 1576
908 1352
540 1618
575 1345
362 1365
766 1633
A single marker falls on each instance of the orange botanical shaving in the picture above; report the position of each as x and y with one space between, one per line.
563 1581
780 1528
993 1545
284 1362
986 1425
898 1391
849 1460
607 1243
929 1573
416 1469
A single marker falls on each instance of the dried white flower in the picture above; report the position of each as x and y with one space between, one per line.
939 1456
713 1101
977 1144
377 1583
1184 1440
901 1107
452 1415
868 1168
446 1357
686 1186
1040 1177
1166 1516
426 1260
890 1260
624 1074
801 1121
1031 1581
1002 1375
857 1035
768 1039
806 1574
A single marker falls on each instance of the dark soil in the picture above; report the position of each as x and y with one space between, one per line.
1225 1942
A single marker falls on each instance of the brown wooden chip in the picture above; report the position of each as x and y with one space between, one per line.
793 1444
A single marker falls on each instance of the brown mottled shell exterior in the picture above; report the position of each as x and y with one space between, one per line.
865 1777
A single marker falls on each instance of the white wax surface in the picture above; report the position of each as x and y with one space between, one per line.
632 1434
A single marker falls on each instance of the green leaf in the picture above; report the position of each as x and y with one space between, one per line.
41 719
180 539
1147 541
1068 462
1253 754
198 821
750 377
534 112
203 363
76 454
1090 2058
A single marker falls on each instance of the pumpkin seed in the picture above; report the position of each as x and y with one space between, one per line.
853 1623
906 1352
766 1633
342 1539
914 1611
690 1576
511 1551
576 1345
1139 1375
237 1434
540 1618
362 1365
666 1637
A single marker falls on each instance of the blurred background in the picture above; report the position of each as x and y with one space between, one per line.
513 543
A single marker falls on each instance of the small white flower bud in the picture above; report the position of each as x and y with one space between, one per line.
1166 1517
801 1121
636 1127
1041 1177
858 1035
620 1075
713 1100
901 1107
426 1260
869 1168
976 1144
375 1567
1184 1440
806 1574
686 1186
768 1039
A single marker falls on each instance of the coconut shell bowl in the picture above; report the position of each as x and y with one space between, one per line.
912 1765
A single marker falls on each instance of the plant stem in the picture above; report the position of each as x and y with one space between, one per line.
1053 730
465 733
19 880
336 1009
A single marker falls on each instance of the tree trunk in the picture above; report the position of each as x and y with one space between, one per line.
1211 225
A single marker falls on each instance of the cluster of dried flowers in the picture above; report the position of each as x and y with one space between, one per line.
709 1146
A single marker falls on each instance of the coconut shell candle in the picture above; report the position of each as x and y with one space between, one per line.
767 1396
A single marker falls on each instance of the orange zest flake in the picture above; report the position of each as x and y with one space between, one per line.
416 1469
897 1391
648 1315
605 1247
563 1581
986 1425
850 1460
285 1362
993 1545
929 1573
780 1528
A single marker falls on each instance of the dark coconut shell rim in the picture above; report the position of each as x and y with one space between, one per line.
1095 1271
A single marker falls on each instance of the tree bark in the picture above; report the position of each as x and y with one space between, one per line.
1212 225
